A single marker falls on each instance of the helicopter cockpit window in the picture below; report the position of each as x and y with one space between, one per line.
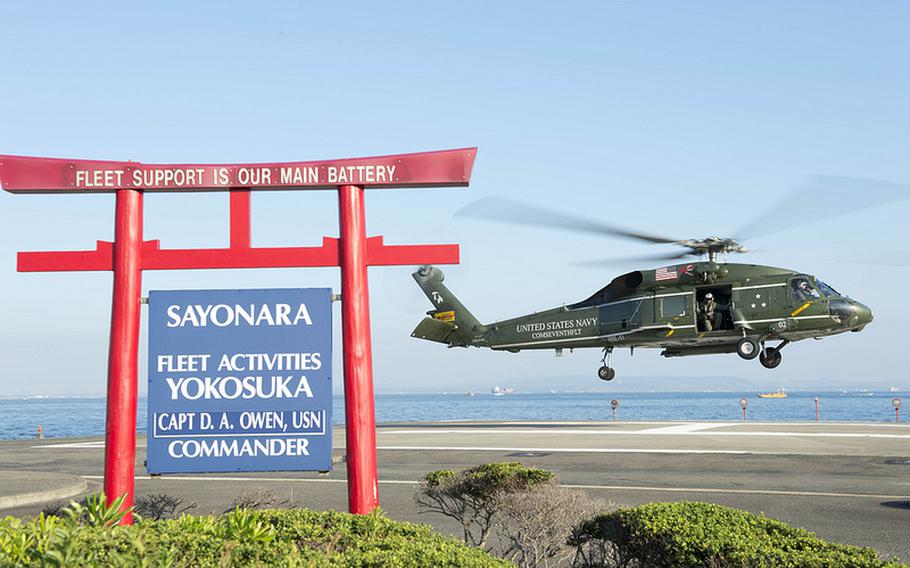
803 290
827 290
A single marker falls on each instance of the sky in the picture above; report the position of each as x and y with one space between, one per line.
682 119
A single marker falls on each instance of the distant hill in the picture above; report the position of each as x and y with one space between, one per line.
586 383
578 383
645 384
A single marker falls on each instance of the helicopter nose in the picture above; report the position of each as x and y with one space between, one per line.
850 313
863 314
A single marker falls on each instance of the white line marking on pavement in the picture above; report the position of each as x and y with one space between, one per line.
247 479
574 486
613 424
648 432
91 445
549 450
500 449
574 450
732 491
681 428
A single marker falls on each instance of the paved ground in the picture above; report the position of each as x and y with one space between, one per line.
846 482
21 488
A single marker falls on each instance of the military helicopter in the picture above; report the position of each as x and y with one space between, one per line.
695 307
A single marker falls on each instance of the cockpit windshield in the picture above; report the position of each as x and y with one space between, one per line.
827 290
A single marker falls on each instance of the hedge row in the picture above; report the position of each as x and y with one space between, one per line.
692 534
295 537
683 534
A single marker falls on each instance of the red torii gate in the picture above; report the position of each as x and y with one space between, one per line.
129 255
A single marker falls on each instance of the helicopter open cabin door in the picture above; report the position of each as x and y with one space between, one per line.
714 308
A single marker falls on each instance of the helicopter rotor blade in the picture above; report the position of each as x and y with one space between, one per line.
515 212
842 195
611 262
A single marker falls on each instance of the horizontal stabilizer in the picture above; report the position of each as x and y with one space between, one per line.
433 329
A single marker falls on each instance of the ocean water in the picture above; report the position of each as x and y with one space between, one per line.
68 417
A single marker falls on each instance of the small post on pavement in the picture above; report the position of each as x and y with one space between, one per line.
744 403
614 404
896 403
816 409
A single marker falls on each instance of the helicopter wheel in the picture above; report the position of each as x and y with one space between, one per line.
747 348
606 373
770 358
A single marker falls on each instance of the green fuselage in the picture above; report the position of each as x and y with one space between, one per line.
664 308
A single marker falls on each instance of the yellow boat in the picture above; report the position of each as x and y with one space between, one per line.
776 394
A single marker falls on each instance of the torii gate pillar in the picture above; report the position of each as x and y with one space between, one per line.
123 355
360 416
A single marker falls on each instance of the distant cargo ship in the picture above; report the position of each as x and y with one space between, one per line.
776 394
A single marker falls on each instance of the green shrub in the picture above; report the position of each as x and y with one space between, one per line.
491 478
295 537
473 496
691 534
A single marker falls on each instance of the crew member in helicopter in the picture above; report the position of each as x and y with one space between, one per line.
707 312
805 292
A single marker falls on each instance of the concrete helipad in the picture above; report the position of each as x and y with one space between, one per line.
654 437
848 482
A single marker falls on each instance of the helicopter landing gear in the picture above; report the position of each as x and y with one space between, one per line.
747 348
770 357
605 372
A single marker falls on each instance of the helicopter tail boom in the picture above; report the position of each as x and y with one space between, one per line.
449 322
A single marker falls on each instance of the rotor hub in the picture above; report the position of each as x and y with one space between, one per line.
712 245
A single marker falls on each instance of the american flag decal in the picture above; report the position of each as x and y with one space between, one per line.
665 273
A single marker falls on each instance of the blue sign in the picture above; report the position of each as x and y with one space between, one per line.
240 380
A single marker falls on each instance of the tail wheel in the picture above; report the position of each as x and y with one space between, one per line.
747 348
770 358
606 373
